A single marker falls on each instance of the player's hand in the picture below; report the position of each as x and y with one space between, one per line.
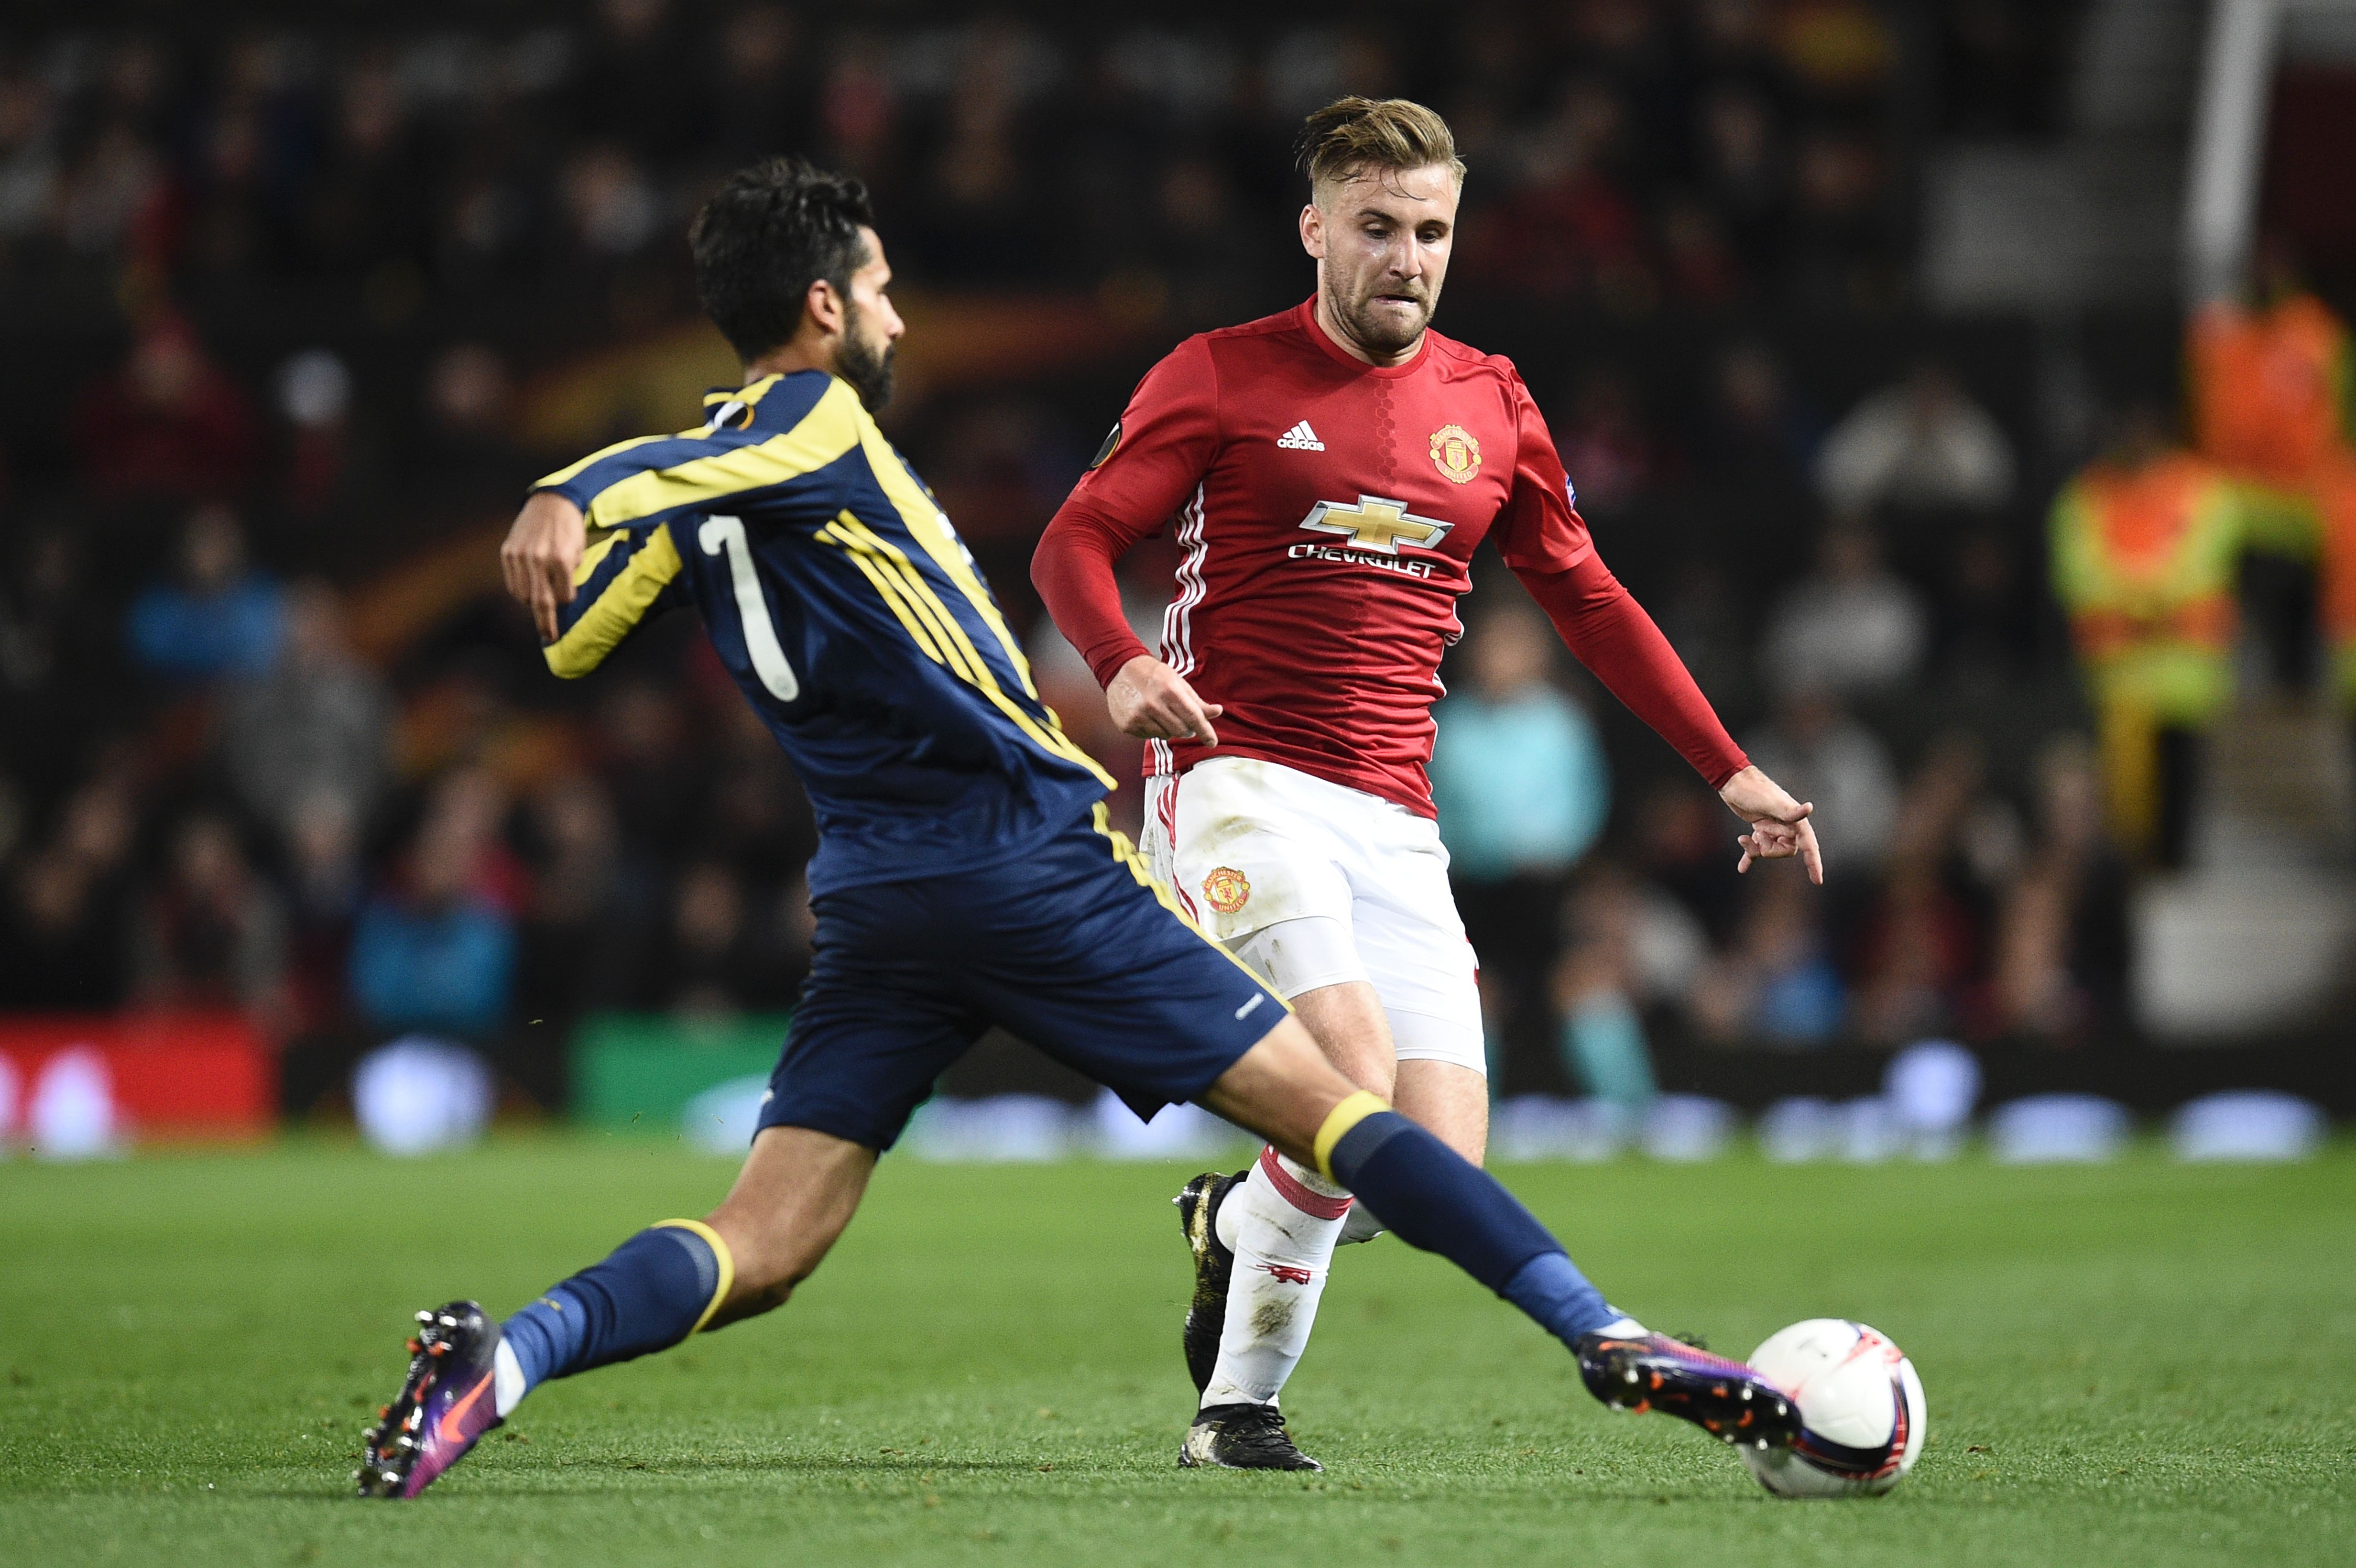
1151 701
1780 827
541 552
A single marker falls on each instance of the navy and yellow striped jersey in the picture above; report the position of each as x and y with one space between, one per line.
844 604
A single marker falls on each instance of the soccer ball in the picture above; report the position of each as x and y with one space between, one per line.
1861 1410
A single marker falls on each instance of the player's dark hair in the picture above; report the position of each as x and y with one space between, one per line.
767 233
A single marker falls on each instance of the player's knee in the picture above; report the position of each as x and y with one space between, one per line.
751 1301
1348 1023
1301 1065
773 1251
770 1262
798 1190
1282 1089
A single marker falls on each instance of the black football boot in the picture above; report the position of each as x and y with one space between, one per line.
1242 1437
1215 1267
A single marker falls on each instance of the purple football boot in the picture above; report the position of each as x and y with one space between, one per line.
1727 1400
443 1408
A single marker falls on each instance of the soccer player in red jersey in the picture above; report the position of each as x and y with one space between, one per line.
1329 473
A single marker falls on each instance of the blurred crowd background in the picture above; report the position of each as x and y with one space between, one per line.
296 305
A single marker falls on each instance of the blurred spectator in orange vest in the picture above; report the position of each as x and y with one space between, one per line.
2146 542
2337 592
2271 400
2274 405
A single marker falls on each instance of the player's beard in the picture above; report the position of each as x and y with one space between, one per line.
864 364
1372 330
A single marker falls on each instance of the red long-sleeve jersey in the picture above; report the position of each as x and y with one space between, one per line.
1326 512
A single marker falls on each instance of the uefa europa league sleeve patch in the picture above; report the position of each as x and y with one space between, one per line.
1111 445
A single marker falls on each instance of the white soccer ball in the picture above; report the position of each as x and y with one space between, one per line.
1861 1410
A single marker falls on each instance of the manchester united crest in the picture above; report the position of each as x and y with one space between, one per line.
1455 453
1226 889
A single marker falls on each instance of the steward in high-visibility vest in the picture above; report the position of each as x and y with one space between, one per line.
2274 392
2274 403
2271 387
2147 543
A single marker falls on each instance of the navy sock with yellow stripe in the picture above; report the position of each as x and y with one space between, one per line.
1435 1198
650 1293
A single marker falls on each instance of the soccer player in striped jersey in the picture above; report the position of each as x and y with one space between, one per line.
1328 474
965 875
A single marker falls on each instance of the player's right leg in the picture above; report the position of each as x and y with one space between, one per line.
1093 971
1434 1199
1413 942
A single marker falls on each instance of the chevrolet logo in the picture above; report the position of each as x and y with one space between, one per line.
1376 524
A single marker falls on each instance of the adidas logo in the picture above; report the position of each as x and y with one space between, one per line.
1300 438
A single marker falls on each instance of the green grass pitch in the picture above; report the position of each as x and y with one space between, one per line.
2141 1364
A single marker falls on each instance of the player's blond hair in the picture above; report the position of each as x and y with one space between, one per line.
1354 136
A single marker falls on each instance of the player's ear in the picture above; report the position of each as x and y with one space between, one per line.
1312 231
824 307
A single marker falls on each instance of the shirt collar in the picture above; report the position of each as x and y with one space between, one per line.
741 408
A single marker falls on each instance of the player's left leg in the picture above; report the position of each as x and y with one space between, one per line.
1251 844
797 1191
791 1200
1374 962
1449 1098
875 1027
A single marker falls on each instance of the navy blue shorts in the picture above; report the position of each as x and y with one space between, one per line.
1072 947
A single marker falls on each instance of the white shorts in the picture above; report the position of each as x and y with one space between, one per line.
1313 884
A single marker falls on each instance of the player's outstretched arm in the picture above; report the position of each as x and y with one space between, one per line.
1601 622
542 553
1545 540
